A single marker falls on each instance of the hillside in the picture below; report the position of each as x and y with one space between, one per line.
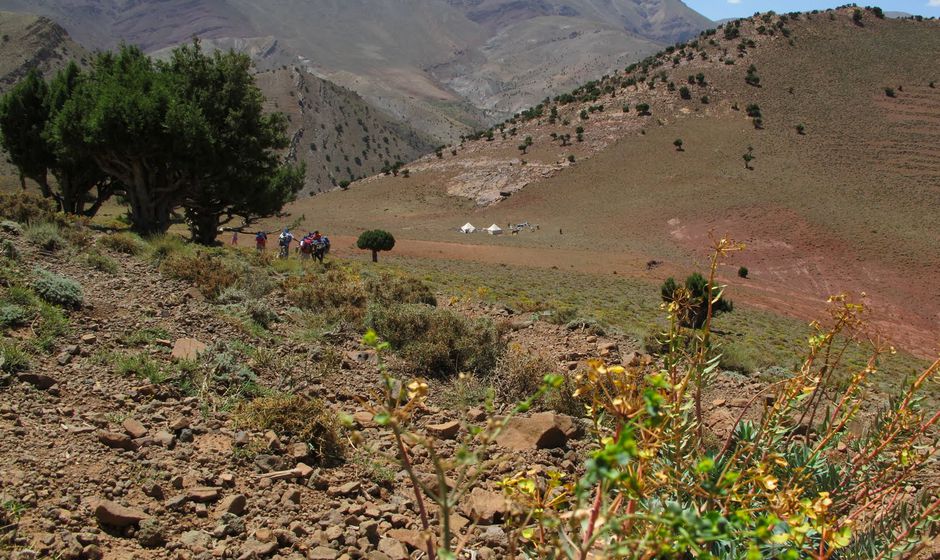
444 66
849 204
338 135
29 41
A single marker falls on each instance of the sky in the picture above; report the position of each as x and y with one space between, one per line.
721 9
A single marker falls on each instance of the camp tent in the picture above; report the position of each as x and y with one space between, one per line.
494 230
468 228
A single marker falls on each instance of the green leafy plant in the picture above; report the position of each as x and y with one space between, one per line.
58 290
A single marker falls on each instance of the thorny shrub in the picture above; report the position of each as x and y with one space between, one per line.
811 477
127 243
25 208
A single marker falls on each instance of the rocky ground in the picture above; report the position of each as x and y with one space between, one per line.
95 464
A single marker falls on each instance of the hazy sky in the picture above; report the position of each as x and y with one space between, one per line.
720 9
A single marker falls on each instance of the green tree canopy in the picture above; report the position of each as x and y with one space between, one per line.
376 240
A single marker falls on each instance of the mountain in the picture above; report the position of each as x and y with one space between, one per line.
28 41
842 195
445 66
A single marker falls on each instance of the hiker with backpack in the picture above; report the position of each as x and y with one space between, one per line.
321 246
284 242
306 247
261 241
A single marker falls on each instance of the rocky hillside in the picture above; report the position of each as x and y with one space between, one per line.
835 116
444 66
151 417
28 41
337 134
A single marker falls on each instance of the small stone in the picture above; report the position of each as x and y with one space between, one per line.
234 504
187 349
298 451
89 338
291 496
37 380
150 534
165 439
254 548
348 489
323 553
134 428
241 439
155 491
116 515
196 539
446 430
203 494
485 506
393 549
364 419
179 423
116 441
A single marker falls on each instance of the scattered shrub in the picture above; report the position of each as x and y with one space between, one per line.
9 250
376 240
13 358
210 274
100 262
45 235
338 290
127 243
58 290
685 93
389 289
742 272
25 208
140 365
437 342
643 109
889 91
295 417
13 315
518 376
261 313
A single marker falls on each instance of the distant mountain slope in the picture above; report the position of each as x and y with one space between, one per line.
848 200
446 66
28 41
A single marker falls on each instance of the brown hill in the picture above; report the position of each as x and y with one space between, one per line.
445 66
28 41
849 204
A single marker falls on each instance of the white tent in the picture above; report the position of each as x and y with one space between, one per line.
494 230
468 228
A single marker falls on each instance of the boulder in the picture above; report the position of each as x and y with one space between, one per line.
115 515
203 494
187 349
544 430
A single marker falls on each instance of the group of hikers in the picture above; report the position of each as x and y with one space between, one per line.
311 246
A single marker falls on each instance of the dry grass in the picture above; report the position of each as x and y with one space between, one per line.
210 274
295 417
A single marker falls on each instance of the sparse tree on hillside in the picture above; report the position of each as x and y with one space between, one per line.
801 129
857 17
743 272
678 144
685 93
643 109
749 157
889 91
375 240
26 114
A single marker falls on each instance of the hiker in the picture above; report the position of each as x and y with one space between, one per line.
234 238
284 241
321 246
306 247
261 241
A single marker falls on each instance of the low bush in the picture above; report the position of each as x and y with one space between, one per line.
437 342
13 315
25 208
520 374
389 289
45 235
127 243
210 274
13 358
100 262
338 291
58 290
261 313
140 365
297 418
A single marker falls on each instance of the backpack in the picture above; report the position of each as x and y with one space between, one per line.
306 246
286 240
261 237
